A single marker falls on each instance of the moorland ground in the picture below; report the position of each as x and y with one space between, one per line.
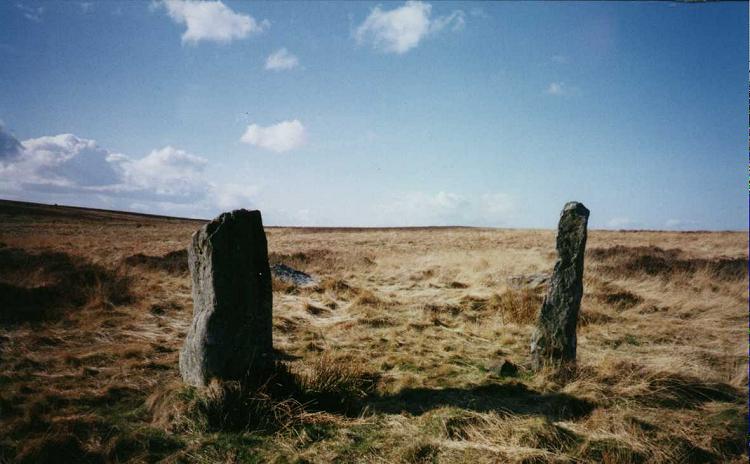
394 354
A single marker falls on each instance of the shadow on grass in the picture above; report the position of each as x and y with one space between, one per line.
283 356
506 398
340 385
41 286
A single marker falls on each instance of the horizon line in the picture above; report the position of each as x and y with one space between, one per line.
352 228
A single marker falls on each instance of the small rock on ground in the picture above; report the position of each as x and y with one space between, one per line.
291 275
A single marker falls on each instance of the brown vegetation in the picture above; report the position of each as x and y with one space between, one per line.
42 286
390 358
174 262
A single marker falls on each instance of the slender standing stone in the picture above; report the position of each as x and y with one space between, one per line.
230 337
554 340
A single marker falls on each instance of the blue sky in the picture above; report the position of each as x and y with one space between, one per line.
371 114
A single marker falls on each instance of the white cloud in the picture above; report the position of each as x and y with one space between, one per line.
61 161
401 29
228 196
73 170
212 21
446 208
560 59
167 171
281 60
281 137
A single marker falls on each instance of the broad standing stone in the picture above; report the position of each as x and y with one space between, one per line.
230 336
554 340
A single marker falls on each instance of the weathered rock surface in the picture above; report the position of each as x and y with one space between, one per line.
554 340
291 275
230 336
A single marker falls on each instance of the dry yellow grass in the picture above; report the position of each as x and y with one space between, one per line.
395 348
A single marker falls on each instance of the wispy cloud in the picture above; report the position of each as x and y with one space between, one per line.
681 224
562 89
281 60
401 29
281 137
212 21
620 223
447 208
557 88
229 196
86 7
32 13
478 12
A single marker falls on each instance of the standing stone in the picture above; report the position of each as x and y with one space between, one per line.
230 336
554 340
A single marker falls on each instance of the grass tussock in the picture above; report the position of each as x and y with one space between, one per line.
338 288
513 306
593 317
284 401
519 306
265 407
226 406
368 298
621 300
336 383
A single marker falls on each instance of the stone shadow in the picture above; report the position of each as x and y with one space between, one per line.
503 398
